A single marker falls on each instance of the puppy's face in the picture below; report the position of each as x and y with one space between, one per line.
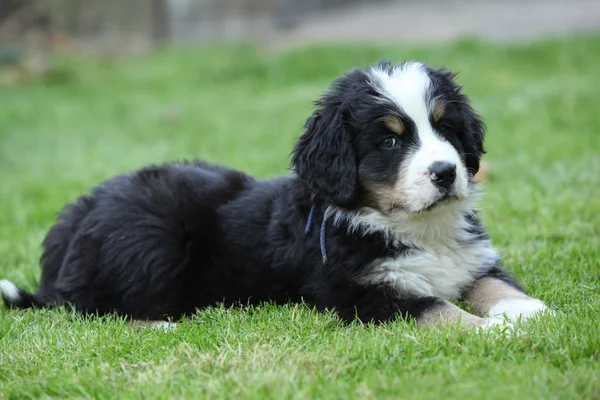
397 138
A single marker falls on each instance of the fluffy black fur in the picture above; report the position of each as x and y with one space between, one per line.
166 240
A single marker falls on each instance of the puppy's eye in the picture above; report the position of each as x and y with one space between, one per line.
389 142
443 128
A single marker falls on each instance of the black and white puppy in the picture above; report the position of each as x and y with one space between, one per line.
377 221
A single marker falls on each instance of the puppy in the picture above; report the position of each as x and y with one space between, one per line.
377 221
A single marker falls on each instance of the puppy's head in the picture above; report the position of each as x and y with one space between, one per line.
394 137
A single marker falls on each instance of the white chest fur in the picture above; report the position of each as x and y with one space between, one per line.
440 270
444 257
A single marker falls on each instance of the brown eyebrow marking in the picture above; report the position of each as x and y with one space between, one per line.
394 124
438 110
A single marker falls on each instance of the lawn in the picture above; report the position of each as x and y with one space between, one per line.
245 107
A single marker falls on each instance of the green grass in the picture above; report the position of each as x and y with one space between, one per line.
244 107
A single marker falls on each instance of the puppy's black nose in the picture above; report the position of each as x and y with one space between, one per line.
442 173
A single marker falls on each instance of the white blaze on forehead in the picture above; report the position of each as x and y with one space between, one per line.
407 86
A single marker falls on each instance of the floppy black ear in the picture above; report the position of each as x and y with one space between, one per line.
474 128
324 157
473 139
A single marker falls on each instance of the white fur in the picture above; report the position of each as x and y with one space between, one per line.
444 224
506 313
9 291
506 326
437 271
514 309
441 266
408 86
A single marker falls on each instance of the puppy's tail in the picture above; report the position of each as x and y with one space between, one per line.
18 298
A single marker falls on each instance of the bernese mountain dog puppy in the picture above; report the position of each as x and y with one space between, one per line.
377 221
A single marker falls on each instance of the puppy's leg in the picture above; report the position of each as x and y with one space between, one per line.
496 295
448 313
380 305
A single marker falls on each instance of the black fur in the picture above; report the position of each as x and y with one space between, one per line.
470 124
324 156
166 240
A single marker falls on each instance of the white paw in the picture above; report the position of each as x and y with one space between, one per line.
506 314
517 309
501 323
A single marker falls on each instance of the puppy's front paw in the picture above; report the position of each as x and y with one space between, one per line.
501 323
518 309
506 314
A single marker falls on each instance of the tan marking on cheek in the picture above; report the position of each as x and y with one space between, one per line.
449 313
400 184
489 291
385 196
439 108
394 124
